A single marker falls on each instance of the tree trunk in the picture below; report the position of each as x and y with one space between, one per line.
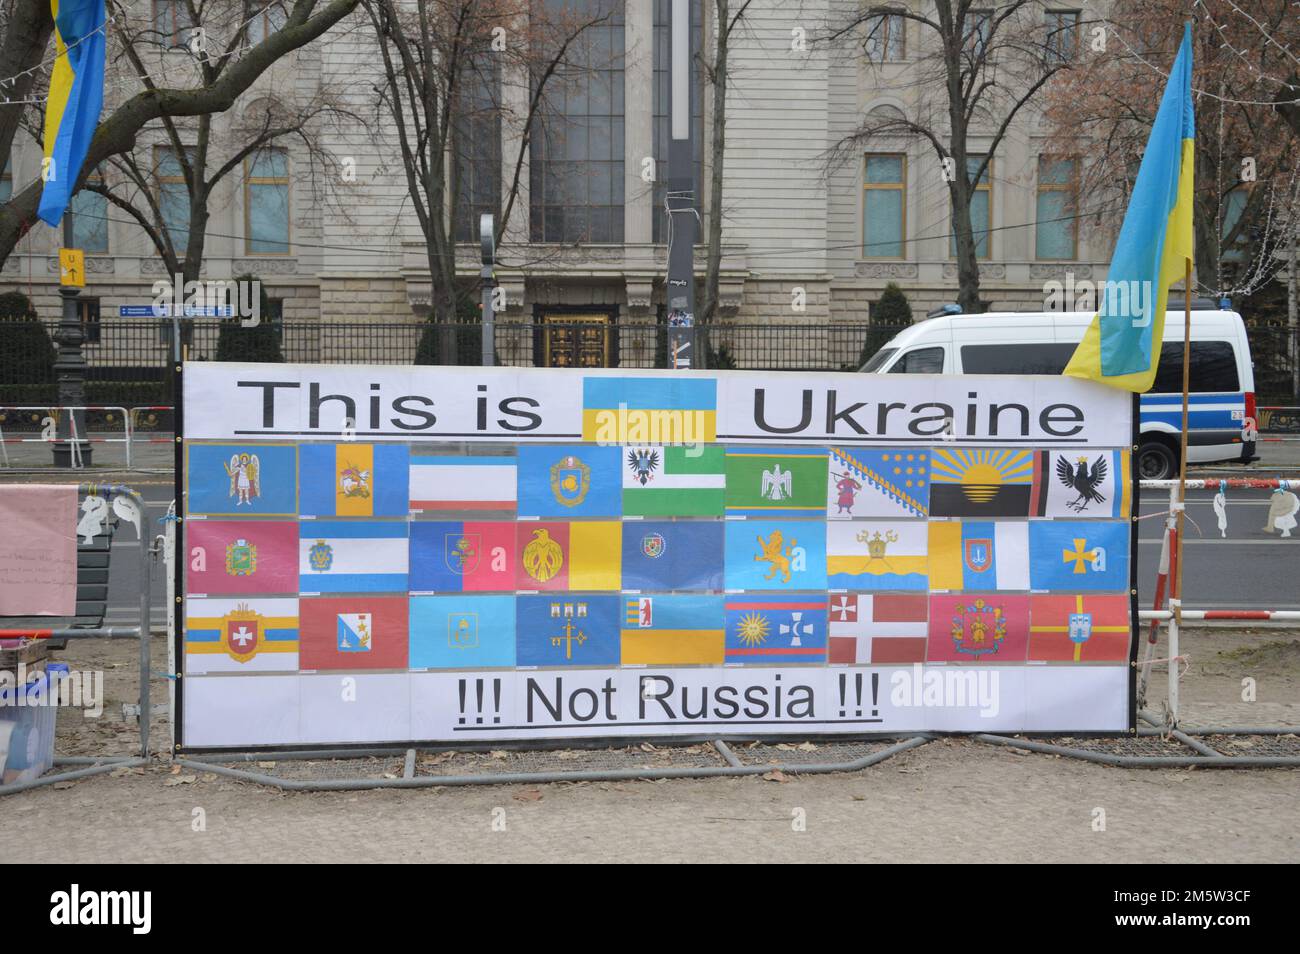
968 268
30 26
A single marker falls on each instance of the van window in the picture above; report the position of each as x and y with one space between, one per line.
1213 368
1037 358
920 361
878 359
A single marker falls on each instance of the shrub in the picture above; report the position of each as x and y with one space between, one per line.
27 352
260 342
891 314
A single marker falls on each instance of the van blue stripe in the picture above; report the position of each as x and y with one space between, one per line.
1223 397
1195 419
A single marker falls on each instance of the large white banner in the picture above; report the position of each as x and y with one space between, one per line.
386 403
395 554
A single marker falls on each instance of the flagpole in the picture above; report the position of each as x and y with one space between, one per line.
1176 590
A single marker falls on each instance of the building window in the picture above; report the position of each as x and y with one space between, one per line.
171 21
90 217
886 38
266 203
979 29
1062 34
576 160
476 146
981 204
6 183
1056 229
88 311
173 197
662 104
267 17
884 206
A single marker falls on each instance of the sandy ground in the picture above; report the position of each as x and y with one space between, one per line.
951 800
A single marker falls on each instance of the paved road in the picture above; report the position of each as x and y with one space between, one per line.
1249 569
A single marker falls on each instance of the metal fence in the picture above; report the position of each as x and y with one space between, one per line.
127 358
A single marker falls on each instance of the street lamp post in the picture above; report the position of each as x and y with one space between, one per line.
70 370
683 219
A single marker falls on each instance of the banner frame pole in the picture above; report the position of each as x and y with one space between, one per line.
1176 590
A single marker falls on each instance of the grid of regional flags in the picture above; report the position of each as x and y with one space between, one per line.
355 556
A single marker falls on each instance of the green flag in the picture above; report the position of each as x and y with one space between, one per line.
673 481
776 482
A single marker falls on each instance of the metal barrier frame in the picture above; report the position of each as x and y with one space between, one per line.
74 440
1203 755
97 765
1169 550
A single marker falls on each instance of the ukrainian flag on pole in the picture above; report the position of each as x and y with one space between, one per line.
75 99
1122 345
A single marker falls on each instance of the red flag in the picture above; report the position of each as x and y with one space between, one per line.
1079 628
234 557
353 632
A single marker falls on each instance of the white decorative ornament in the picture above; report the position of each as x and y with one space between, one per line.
128 510
94 511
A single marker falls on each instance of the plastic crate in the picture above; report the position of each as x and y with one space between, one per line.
27 718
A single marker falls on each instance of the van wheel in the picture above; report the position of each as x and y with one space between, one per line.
1156 461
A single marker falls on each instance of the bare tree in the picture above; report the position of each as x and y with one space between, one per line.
977 66
716 72
1247 190
241 66
446 63
196 153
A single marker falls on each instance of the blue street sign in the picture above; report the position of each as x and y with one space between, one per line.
164 311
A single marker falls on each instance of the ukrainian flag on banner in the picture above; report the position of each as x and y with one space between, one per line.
1121 346
75 99
658 410
354 480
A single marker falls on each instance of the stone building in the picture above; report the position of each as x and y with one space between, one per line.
804 242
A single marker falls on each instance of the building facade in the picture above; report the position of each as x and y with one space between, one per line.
804 240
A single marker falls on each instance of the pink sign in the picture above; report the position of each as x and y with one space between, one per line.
38 550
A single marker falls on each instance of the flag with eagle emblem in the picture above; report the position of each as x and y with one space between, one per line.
676 481
583 555
1083 483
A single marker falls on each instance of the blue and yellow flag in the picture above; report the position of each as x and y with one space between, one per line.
1122 345
75 99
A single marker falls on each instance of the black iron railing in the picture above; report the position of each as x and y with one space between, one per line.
128 357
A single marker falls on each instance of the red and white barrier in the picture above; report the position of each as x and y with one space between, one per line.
75 440
1168 569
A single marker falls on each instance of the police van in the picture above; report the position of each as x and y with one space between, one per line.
1221 403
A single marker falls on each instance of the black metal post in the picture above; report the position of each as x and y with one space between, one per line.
70 369
487 242
682 193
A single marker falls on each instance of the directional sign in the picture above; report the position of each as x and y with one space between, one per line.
72 268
